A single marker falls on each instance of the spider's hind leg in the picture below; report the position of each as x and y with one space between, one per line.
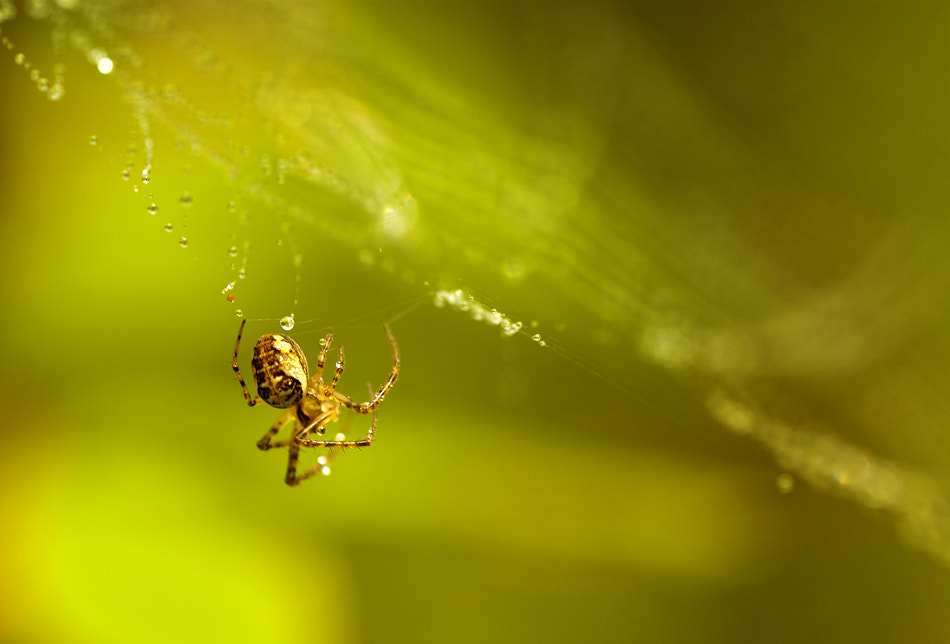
321 467
265 443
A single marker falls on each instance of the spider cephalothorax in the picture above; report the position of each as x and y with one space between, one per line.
283 381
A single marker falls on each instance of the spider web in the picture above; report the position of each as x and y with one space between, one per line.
564 212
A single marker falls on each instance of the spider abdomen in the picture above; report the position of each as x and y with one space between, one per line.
280 370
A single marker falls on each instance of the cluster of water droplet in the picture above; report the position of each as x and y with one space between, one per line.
461 301
54 89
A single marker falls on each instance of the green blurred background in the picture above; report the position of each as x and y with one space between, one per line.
736 209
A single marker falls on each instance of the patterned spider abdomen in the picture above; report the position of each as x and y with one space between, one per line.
280 370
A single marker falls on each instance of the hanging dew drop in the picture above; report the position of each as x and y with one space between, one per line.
232 251
169 228
239 313
287 322
126 174
152 208
93 140
183 242
186 199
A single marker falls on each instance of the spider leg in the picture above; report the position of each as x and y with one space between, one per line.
251 402
367 407
292 479
318 424
293 450
293 453
329 389
264 443
301 439
323 353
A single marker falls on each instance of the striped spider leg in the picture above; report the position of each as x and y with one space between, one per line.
283 381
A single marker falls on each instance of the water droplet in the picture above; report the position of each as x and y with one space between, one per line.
230 297
93 140
183 242
56 92
239 313
232 251
168 228
325 470
536 337
186 199
126 174
298 260
242 274
232 205
514 268
19 59
340 437
287 322
152 208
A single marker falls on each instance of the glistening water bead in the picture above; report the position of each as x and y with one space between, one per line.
152 208
287 322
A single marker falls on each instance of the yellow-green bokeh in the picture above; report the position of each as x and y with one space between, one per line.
684 200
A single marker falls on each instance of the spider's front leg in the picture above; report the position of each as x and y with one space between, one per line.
370 406
264 444
317 425
301 437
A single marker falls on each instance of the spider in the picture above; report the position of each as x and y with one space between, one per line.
283 381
